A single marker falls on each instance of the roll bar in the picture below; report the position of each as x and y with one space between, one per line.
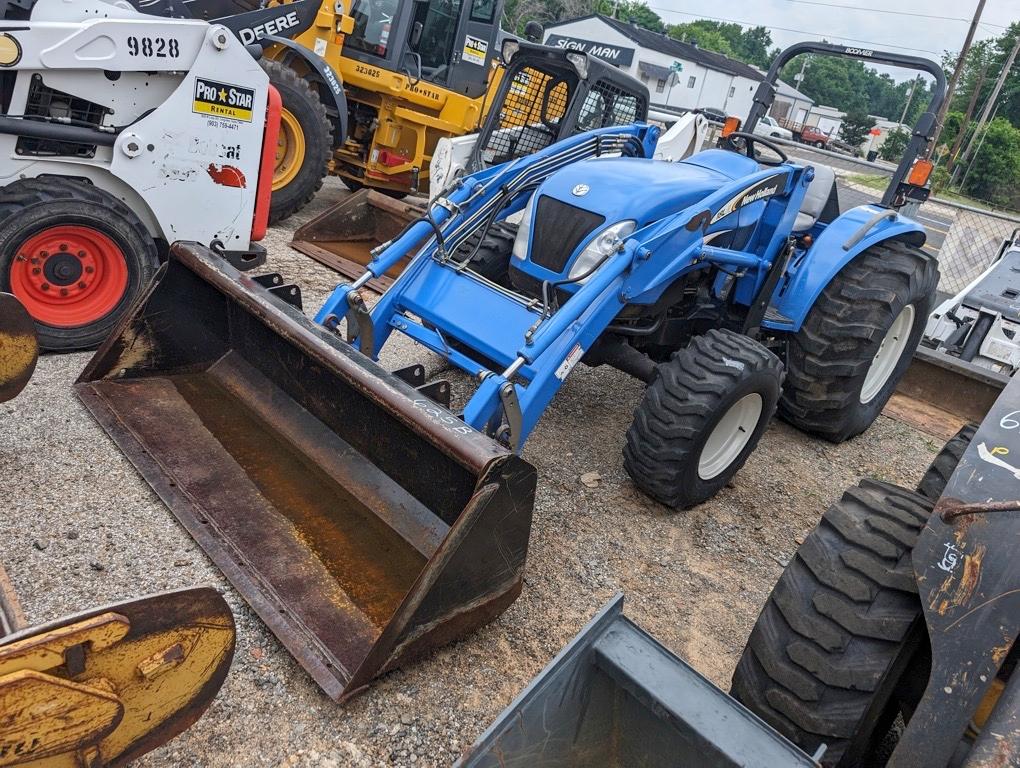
924 129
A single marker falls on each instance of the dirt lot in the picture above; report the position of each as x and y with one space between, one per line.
81 528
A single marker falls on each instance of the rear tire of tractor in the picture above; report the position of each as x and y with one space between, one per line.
305 145
936 477
829 658
74 255
840 371
702 417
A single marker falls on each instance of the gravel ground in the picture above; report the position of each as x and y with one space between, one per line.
82 528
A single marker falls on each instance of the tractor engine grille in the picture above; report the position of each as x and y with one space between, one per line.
559 229
49 102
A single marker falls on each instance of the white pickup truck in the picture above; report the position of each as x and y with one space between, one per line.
768 126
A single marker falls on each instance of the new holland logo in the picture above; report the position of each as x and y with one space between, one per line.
763 190
222 100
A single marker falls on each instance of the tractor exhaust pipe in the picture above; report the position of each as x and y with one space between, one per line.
364 523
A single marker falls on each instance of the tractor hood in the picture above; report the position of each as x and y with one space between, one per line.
632 188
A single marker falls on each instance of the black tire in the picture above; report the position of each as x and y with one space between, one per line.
29 207
942 467
820 144
492 259
829 657
302 101
692 393
828 360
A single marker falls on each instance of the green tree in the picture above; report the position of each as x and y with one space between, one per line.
894 144
996 165
754 46
855 127
639 13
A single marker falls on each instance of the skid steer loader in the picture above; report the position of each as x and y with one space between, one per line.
363 518
107 685
120 134
545 94
368 86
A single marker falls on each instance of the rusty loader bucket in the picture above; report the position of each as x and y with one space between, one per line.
19 348
615 697
105 686
343 236
363 522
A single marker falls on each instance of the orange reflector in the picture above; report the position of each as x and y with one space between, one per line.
920 172
732 124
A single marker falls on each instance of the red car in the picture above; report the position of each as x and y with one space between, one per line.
811 135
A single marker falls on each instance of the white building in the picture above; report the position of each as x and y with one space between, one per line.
678 75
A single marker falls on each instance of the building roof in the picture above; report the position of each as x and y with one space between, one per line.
667 45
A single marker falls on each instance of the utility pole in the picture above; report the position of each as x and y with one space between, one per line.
951 89
958 141
990 104
910 98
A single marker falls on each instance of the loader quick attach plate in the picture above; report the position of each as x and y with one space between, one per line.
364 523
105 686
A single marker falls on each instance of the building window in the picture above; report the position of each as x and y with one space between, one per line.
660 86
644 77
733 90
691 81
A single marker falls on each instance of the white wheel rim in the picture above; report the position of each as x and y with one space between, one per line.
730 436
888 355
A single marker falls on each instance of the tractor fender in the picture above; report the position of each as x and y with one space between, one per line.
331 87
836 246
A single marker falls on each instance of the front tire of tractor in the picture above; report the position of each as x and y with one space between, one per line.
702 417
305 145
74 255
492 259
858 340
936 477
829 658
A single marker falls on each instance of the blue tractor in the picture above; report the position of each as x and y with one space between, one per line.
730 283
363 517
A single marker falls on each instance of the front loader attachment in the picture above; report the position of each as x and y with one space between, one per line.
343 236
105 686
363 522
19 347
615 697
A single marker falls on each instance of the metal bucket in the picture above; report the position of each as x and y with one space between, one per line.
343 236
363 522
615 697
19 347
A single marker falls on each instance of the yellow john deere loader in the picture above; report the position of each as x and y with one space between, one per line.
368 86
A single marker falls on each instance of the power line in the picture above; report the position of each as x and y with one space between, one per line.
895 13
796 31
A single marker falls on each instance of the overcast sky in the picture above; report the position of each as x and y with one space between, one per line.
857 23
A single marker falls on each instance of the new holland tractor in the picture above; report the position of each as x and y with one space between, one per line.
724 282
121 134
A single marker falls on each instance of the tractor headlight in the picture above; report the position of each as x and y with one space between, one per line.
524 231
580 62
606 243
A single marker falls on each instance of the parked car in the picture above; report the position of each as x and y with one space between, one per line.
713 115
768 126
811 135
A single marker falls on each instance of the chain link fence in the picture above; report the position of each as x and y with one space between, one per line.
965 238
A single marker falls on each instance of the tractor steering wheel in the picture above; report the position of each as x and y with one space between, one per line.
750 139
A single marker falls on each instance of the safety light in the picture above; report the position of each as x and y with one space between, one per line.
731 125
510 48
920 172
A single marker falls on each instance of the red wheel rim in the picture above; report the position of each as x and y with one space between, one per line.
69 276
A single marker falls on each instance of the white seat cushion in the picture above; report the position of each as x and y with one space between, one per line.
815 197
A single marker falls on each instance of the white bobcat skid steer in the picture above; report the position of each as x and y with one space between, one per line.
122 133
981 324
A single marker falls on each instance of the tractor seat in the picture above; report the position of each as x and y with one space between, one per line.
815 197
